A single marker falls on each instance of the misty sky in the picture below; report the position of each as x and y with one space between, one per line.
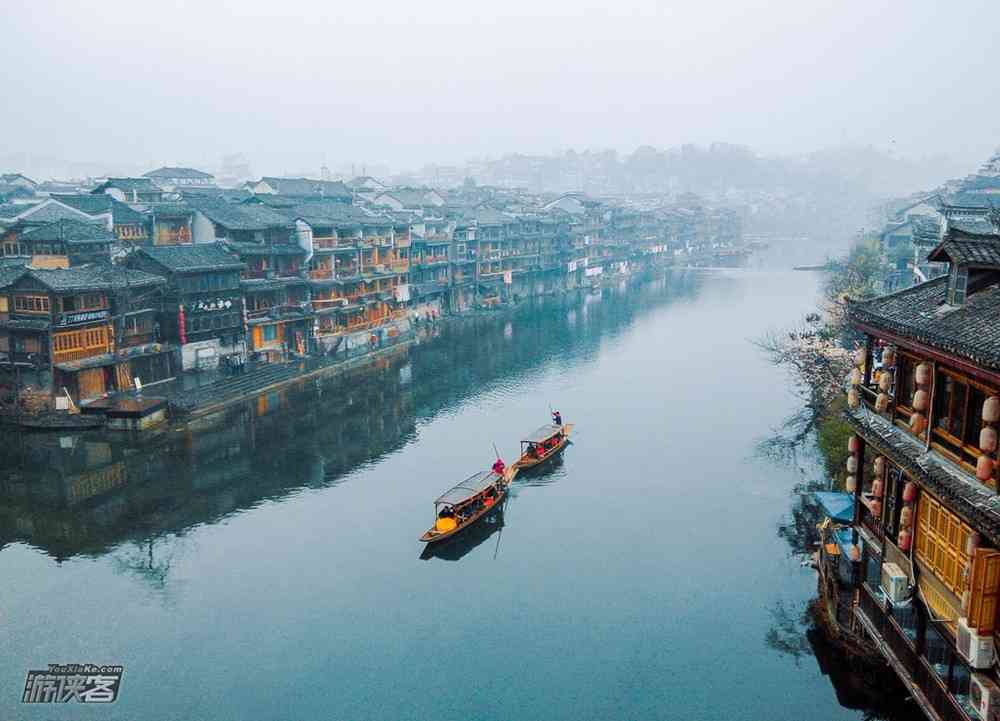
295 84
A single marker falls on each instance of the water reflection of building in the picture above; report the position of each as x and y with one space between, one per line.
84 493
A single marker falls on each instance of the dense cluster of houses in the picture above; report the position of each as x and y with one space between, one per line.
910 560
912 227
147 277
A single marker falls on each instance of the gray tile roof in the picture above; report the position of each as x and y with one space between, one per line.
86 202
52 212
971 331
265 249
140 185
10 211
307 186
967 251
10 273
193 258
69 231
977 504
168 173
98 276
124 214
972 200
239 216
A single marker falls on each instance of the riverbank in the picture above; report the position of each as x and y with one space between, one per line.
201 393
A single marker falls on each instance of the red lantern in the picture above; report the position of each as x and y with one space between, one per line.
904 540
181 331
910 492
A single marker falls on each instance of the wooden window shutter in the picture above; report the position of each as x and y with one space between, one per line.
985 587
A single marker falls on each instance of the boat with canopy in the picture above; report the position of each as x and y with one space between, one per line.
544 443
467 502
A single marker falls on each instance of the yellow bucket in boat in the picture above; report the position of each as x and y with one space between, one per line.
444 525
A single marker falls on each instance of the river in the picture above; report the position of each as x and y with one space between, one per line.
264 563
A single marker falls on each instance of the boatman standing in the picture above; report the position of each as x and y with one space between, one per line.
557 418
499 467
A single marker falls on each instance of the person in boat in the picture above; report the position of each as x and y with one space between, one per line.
557 418
535 450
447 512
499 467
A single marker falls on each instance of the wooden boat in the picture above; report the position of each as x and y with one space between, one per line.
457 547
464 504
545 443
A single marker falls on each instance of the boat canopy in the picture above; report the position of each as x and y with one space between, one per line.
471 486
838 506
542 434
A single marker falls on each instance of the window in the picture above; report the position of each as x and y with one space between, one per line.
957 285
873 571
270 332
89 341
905 383
937 651
905 616
958 408
950 405
941 543
892 497
31 303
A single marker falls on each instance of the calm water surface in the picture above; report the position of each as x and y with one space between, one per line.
264 564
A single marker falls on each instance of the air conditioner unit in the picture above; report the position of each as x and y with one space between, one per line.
895 583
974 648
985 697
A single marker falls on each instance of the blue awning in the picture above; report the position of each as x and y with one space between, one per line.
838 506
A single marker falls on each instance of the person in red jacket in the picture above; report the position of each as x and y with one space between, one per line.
499 467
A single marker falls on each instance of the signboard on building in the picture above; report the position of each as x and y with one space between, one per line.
402 293
508 277
67 319
209 305
571 267
593 271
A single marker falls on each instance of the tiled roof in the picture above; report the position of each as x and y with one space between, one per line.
323 212
239 216
86 202
69 231
974 226
124 214
260 284
170 210
972 200
977 504
10 273
51 212
409 197
926 229
140 185
193 258
168 173
971 331
307 186
266 249
967 252
10 211
97 276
